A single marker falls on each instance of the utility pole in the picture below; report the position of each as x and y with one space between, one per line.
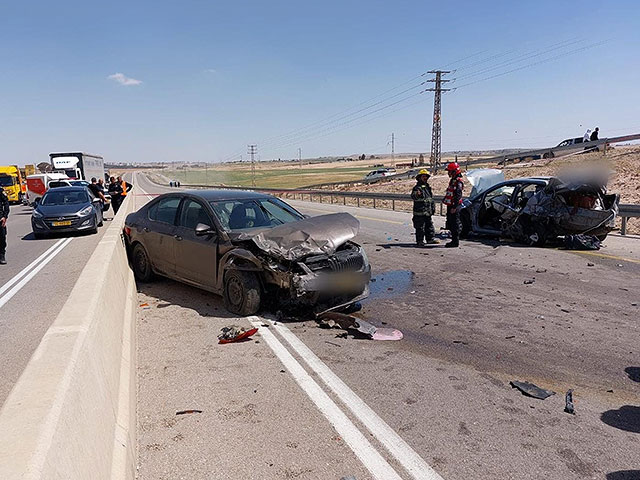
300 157
393 149
252 150
436 129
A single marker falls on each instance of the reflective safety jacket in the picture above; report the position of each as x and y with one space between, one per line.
422 197
124 188
453 196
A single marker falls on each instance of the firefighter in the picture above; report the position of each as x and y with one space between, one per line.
4 214
453 200
423 208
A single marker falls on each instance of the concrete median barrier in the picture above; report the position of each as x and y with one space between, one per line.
71 415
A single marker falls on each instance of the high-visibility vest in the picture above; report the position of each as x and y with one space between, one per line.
448 197
124 188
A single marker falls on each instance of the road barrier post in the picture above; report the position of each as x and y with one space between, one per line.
374 203
623 230
393 204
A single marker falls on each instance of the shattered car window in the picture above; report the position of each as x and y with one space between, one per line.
242 214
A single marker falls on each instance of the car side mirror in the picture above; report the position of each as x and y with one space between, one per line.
203 229
95 200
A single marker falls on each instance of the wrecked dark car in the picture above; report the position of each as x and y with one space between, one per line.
539 209
253 249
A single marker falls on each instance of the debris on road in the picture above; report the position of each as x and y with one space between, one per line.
568 402
233 333
581 242
187 412
531 390
346 322
529 281
589 264
387 334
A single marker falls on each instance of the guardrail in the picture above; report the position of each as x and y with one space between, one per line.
626 210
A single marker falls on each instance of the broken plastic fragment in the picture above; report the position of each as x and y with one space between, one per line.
568 402
185 412
233 333
387 334
531 390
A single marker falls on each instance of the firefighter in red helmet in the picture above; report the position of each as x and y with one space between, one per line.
453 200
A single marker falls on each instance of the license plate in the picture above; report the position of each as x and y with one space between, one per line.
63 223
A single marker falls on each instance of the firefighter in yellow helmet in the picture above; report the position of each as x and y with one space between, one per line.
423 209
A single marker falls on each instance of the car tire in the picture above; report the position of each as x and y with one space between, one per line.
547 155
538 236
465 220
242 293
94 230
141 264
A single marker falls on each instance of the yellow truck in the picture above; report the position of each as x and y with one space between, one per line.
12 183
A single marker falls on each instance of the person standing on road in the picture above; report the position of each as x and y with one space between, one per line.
423 209
594 135
453 200
586 136
96 189
115 190
4 214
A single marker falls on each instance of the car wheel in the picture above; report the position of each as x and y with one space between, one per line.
242 292
548 155
141 264
537 236
94 230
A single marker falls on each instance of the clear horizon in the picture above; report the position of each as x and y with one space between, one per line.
197 82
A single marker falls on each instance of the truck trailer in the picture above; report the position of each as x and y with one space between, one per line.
78 165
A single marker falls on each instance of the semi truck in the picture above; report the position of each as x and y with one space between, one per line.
78 165
11 181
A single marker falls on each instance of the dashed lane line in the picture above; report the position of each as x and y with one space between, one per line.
361 447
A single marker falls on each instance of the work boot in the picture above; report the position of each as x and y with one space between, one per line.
3 261
433 241
452 244
421 244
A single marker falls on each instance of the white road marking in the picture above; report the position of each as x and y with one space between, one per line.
401 450
16 288
366 453
26 269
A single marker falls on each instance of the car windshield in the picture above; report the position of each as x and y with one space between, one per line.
75 197
6 180
263 212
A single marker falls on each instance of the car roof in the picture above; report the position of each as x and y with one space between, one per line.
214 195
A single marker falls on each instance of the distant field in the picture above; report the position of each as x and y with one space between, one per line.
291 177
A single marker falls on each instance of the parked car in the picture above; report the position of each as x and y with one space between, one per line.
537 209
66 209
251 248
81 183
380 173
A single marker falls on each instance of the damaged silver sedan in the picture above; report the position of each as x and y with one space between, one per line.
253 249
539 209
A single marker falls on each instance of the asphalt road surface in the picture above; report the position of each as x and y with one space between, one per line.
303 402
34 286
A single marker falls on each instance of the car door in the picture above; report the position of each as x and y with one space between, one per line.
158 233
195 256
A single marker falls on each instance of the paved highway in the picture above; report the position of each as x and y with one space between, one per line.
34 285
303 402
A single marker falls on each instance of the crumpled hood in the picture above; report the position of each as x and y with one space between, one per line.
311 236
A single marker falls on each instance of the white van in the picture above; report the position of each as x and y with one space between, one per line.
38 184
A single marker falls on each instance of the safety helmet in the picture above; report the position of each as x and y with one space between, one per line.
453 167
423 171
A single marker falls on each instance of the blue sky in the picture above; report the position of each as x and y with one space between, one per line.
215 76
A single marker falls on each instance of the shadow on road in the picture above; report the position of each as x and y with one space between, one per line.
626 418
30 236
169 292
624 475
633 373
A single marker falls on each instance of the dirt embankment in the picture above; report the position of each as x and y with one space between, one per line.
623 162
